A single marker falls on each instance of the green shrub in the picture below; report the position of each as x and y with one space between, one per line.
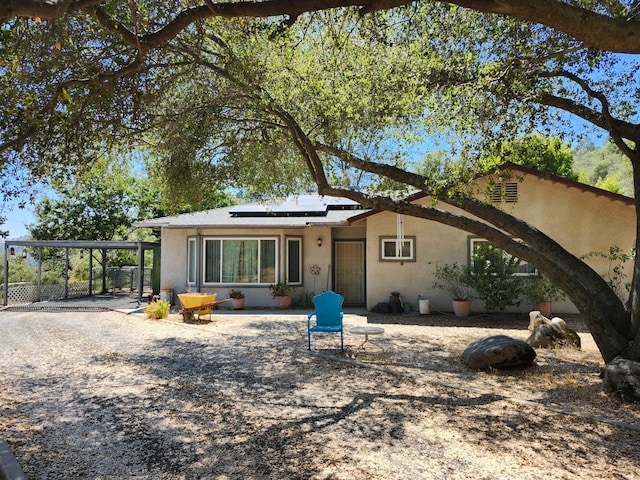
615 274
455 279
493 278
539 289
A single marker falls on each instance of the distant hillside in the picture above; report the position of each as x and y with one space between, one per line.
603 167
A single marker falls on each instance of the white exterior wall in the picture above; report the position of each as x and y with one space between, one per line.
581 221
174 261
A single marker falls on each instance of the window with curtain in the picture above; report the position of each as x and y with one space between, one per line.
240 260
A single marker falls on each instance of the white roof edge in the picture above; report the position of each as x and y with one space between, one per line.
232 227
336 223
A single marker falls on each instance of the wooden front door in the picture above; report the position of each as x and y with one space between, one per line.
349 273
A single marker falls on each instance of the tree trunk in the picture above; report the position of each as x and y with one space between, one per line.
633 352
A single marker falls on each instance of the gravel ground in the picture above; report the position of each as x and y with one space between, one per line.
111 396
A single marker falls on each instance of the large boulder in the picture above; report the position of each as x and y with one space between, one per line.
554 335
498 351
622 379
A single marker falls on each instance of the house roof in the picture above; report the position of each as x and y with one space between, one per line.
305 210
295 212
513 167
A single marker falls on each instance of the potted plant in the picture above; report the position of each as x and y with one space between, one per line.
456 279
282 292
541 292
237 299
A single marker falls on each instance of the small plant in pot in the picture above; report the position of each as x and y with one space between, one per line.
541 292
282 292
237 298
456 279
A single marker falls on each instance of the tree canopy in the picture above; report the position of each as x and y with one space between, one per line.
549 155
101 204
604 167
65 62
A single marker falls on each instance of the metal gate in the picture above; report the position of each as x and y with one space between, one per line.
349 276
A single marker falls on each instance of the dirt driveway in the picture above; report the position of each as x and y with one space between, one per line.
106 396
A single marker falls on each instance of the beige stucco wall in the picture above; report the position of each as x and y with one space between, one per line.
581 221
174 261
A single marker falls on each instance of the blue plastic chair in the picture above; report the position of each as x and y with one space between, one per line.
328 316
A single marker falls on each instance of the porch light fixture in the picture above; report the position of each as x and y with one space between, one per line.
319 241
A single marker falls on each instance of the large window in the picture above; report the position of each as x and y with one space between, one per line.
524 268
294 260
394 250
240 260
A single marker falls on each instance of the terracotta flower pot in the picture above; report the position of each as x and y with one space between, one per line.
238 303
285 301
544 308
462 308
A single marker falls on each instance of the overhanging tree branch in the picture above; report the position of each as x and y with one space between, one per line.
616 34
617 129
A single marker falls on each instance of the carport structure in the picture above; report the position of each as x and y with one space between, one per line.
88 245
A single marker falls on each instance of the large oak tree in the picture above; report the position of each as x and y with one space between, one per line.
341 94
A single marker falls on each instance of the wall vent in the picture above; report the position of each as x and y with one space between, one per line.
504 192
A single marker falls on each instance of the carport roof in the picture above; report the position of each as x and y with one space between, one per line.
84 244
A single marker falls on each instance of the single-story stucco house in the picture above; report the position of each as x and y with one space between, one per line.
315 243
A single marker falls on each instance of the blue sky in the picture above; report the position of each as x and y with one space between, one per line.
16 220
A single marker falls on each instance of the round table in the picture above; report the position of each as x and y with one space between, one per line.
366 331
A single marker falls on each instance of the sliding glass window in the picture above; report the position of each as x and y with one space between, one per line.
240 260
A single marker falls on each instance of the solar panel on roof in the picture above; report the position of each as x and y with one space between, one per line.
303 205
250 207
300 205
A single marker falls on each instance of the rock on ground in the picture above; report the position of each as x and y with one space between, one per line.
498 351
622 378
554 335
